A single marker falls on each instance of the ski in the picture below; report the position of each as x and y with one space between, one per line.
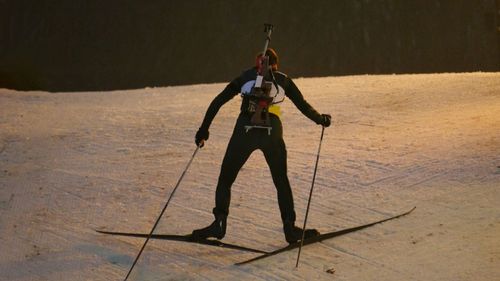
321 237
185 238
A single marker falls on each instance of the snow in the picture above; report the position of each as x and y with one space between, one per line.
75 162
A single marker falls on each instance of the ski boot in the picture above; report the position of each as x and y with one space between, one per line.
216 230
293 233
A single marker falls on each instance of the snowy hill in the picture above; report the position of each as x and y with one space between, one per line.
75 162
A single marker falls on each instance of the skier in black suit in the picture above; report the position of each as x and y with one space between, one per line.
245 139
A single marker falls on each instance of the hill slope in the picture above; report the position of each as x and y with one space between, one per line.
73 162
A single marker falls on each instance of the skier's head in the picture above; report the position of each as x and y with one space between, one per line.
273 59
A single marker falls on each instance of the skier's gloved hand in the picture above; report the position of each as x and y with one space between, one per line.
326 120
201 137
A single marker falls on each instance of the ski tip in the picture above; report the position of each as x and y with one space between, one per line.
103 231
406 213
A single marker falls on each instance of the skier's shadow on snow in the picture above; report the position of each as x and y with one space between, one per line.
105 253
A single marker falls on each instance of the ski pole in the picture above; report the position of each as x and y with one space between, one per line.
163 211
310 196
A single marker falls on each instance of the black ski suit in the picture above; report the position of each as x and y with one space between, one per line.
243 143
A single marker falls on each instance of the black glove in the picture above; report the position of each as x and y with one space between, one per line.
201 137
326 120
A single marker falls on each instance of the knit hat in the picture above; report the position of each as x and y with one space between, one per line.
273 56
273 59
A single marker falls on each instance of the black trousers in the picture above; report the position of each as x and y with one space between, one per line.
239 149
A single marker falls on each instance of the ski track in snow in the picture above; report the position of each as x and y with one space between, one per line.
75 162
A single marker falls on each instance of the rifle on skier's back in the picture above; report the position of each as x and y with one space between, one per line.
260 98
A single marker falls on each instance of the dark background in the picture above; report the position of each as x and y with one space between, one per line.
101 45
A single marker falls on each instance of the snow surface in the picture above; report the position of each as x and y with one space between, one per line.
75 162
